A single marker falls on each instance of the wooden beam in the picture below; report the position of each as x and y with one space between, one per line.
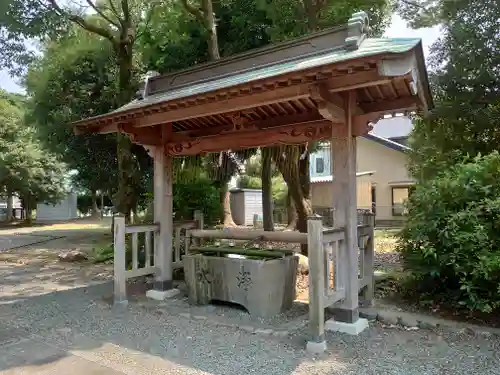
329 105
290 134
398 105
103 129
356 80
250 125
234 104
151 136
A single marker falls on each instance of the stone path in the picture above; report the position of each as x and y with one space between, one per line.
75 331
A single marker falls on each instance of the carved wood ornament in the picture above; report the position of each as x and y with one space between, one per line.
290 134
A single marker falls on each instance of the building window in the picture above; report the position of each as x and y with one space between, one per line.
400 195
320 165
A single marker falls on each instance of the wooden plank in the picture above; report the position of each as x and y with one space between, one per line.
234 104
147 245
141 272
239 234
368 294
235 250
339 271
120 286
185 224
327 248
288 134
333 236
142 228
316 280
389 106
249 126
135 242
334 297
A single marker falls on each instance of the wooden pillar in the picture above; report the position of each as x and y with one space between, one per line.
163 215
343 152
317 343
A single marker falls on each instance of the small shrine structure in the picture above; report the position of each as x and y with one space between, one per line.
331 85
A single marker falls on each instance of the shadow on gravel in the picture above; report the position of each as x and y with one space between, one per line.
82 322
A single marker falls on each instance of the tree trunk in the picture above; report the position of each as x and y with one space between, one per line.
267 194
211 27
291 164
213 53
225 199
10 204
126 195
29 210
95 210
102 204
291 212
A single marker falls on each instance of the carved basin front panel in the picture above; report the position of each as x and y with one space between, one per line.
264 287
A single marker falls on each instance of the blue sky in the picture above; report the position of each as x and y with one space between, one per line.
397 29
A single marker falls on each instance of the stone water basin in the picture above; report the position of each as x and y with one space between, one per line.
265 286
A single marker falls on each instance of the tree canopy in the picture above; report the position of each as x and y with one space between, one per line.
27 169
465 79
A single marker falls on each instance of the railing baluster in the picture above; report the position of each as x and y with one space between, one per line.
147 244
177 245
361 257
135 261
338 280
326 248
368 293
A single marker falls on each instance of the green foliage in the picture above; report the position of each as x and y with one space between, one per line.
293 18
466 88
450 243
26 168
74 79
249 182
197 195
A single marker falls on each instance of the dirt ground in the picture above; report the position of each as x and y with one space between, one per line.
386 260
29 262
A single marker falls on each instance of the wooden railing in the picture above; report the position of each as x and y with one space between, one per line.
328 268
144 239
181 230
366 246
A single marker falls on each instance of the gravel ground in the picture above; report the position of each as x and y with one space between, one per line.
141 341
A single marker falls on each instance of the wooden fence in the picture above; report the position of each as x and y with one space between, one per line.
328 273
144 239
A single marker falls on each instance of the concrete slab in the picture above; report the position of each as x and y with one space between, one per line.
350 328
34 357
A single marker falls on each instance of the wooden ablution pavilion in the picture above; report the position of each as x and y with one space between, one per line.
331 85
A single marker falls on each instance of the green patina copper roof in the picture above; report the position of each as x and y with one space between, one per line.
368 47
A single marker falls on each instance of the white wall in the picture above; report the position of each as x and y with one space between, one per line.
63 210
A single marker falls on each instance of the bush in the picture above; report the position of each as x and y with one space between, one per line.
451 242
189 197
197 195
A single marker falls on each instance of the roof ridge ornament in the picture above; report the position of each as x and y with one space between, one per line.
357 28
142 94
